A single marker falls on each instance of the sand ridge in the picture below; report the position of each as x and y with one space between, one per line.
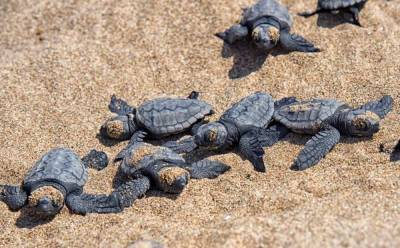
62 60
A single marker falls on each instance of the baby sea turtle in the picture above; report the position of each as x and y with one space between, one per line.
159 117
328 119
167 170
244 125
269 23
352 6
58 178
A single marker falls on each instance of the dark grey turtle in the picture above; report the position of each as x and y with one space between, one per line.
159 117
167 170
244 125
352 6
328 119
58 178
269 23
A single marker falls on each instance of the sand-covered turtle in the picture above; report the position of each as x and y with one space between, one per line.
268 23
351 6
166 170
58 178
243 125
159 117
327 120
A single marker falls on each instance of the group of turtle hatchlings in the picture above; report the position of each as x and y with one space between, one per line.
255 122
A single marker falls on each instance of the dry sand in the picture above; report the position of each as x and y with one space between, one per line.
61 60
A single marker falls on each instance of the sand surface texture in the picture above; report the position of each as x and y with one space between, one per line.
61 61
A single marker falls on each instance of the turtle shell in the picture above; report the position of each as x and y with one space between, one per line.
58 167
306 117
143 155
267 8
337 4
166 116
255 110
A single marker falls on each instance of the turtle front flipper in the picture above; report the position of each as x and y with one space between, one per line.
251 148
97 160
316 148
207 169
381 107
88 203
131 190
233 34
137 137
120 106
183 146
14 196
294 42
194 95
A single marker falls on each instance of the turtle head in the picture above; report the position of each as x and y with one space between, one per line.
46 200
362 123
212 135
265 36
173 179
120 127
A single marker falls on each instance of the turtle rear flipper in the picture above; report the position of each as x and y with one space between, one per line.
381 107
311 13
207 169
184 146
316 148
14 196
233 34
251 147
119 106
270 136
294 42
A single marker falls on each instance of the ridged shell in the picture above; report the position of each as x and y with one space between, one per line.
337 4
166 116
255 110
60 165
267 8
307 116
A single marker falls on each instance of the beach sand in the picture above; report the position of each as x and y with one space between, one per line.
62 60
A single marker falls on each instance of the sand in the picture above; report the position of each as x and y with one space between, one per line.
61 61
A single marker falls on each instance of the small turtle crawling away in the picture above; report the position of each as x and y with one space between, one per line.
166 170
267 23
351 6
327 120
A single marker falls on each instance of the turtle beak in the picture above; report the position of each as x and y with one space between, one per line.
45 208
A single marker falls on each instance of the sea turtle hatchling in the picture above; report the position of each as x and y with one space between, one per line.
352 6
58 178
166 170
327 120
243 125
159 117
269 23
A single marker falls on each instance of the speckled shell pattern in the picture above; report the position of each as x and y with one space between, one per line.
61 166
337 4
158 153
267 8
307 116
255 110
166 116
